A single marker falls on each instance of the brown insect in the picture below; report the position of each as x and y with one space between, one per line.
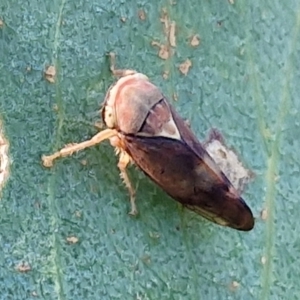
146 130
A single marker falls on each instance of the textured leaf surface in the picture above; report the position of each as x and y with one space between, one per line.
244 80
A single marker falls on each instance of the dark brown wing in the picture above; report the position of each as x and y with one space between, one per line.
183 169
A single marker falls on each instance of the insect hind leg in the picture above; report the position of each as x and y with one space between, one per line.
124 160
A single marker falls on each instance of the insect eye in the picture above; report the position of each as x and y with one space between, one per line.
109 118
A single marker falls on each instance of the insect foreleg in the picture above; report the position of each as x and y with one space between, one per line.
118 72
70 149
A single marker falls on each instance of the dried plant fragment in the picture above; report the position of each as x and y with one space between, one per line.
4 160
50 74
1 23
185 67
229 163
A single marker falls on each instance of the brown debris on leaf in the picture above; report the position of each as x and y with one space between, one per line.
263 260
1 23
78 214
165 19
234 285
99 125
165 74
154 234
185 67
142 15
23 267
83 162
175 97
169 28
264 214
195 40
50 74
72 239
172 35
164 51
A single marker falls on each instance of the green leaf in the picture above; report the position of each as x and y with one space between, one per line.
244 80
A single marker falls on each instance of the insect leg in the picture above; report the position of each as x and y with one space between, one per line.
123 162
70 149
116 72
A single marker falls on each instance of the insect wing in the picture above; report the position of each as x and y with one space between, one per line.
183 169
